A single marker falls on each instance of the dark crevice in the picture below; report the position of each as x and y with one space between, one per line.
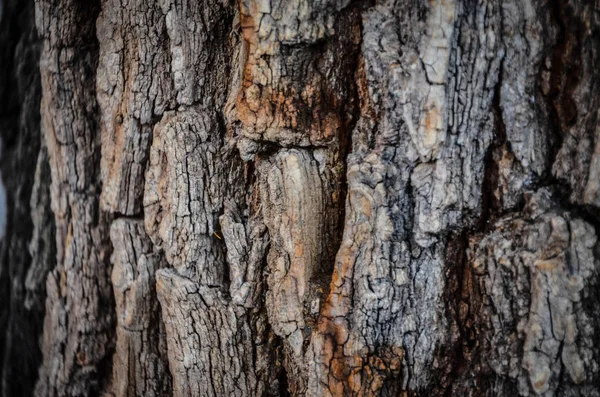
491 207
565 73
350 67
89 11
565 76
283 385
21 324
456 260
458 297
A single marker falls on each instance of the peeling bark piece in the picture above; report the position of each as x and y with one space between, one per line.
294 210
210 343
532 280
424 100
184 194
134 88
140 367
300 215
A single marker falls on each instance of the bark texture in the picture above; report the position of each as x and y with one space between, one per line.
306 198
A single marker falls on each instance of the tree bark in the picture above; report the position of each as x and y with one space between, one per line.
286 197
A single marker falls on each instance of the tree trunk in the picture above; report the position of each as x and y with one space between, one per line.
289 197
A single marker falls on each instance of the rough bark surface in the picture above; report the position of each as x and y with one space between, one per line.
139 364
306 198
79 323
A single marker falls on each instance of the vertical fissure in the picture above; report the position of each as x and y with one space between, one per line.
491 205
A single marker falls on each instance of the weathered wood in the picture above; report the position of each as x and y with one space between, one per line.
79 324
312 198
524 303
139 362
